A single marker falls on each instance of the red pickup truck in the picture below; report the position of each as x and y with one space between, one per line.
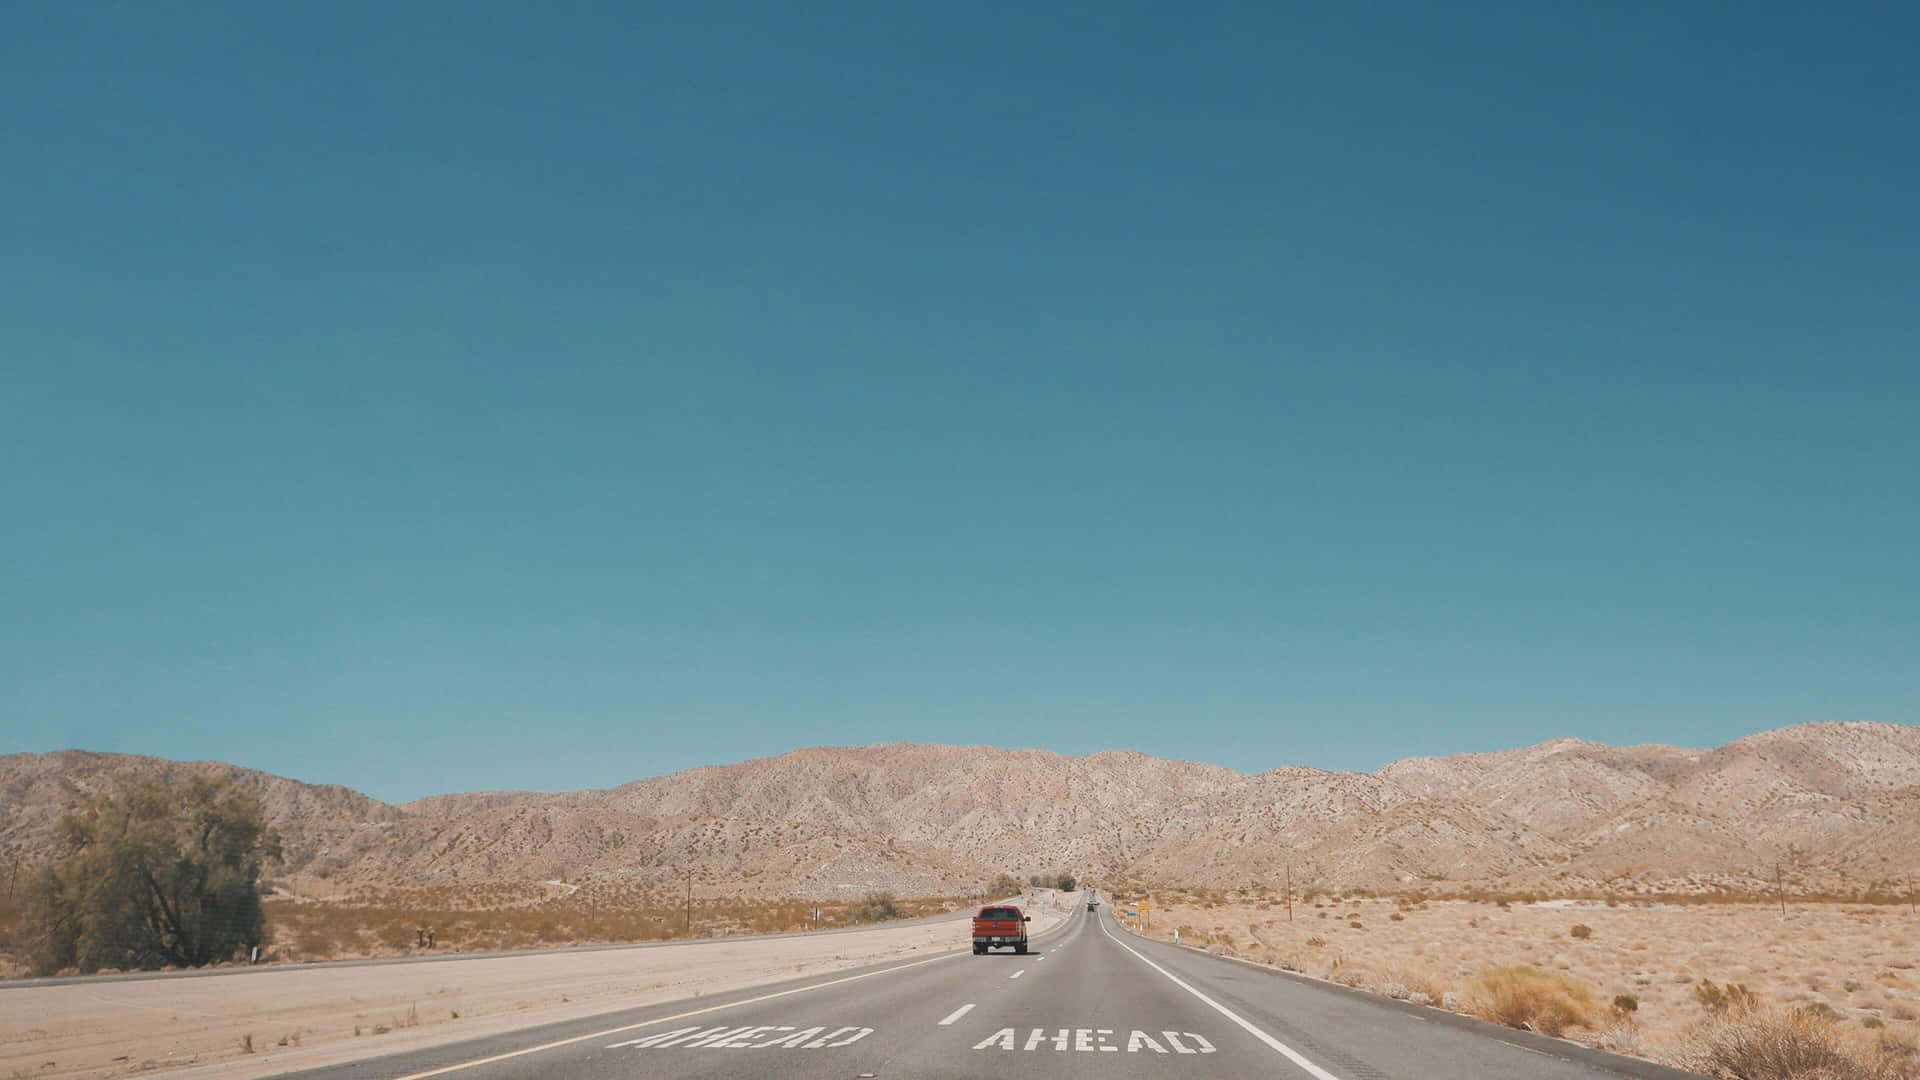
1000 925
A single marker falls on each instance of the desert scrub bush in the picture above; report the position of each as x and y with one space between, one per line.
1896 1047
1413 982
1618 1035
1581 931
1719 999
1526 997
1625 1003
1358 977
1762 1043
876 907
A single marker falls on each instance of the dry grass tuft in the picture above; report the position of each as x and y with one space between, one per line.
1718 999
1618 1035
1767 1043
1407 981
1526 997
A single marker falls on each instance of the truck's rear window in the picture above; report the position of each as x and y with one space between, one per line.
999 913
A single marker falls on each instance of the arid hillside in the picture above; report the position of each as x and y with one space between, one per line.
1827 807
1831 806
35 789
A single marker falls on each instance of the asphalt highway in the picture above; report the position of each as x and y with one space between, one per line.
1090 1000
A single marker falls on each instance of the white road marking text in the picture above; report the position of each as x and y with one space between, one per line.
1094 1040
749 1037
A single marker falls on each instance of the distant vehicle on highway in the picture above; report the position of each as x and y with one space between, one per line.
998 926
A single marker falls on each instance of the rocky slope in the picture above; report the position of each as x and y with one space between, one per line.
35 789
1830 806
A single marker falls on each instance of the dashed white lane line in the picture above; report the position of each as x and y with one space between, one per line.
957 1014
1017 974
1279 1047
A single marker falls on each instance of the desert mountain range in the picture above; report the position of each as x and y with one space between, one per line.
1833 806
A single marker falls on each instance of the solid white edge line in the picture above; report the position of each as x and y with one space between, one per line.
445 1069
957 1014
1279 1047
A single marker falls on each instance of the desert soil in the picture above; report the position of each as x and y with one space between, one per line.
1861 961
302 1017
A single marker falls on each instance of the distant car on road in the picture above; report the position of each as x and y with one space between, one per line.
1000 925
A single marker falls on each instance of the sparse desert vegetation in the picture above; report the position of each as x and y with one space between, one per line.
498 916
444 919
1728 990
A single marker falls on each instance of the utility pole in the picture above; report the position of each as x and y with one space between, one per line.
1780 887
689 901
1911 908
1289 892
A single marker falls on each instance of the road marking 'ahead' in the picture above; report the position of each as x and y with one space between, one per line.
749 1037
1094 1040
557 1043
444 1069
1276 1045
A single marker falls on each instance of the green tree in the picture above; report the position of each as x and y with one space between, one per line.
161 873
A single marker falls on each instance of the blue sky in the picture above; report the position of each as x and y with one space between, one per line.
469 396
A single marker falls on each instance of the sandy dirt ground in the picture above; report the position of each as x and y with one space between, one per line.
1863 962
303 1017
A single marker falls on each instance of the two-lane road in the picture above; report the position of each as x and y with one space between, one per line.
1090 1001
